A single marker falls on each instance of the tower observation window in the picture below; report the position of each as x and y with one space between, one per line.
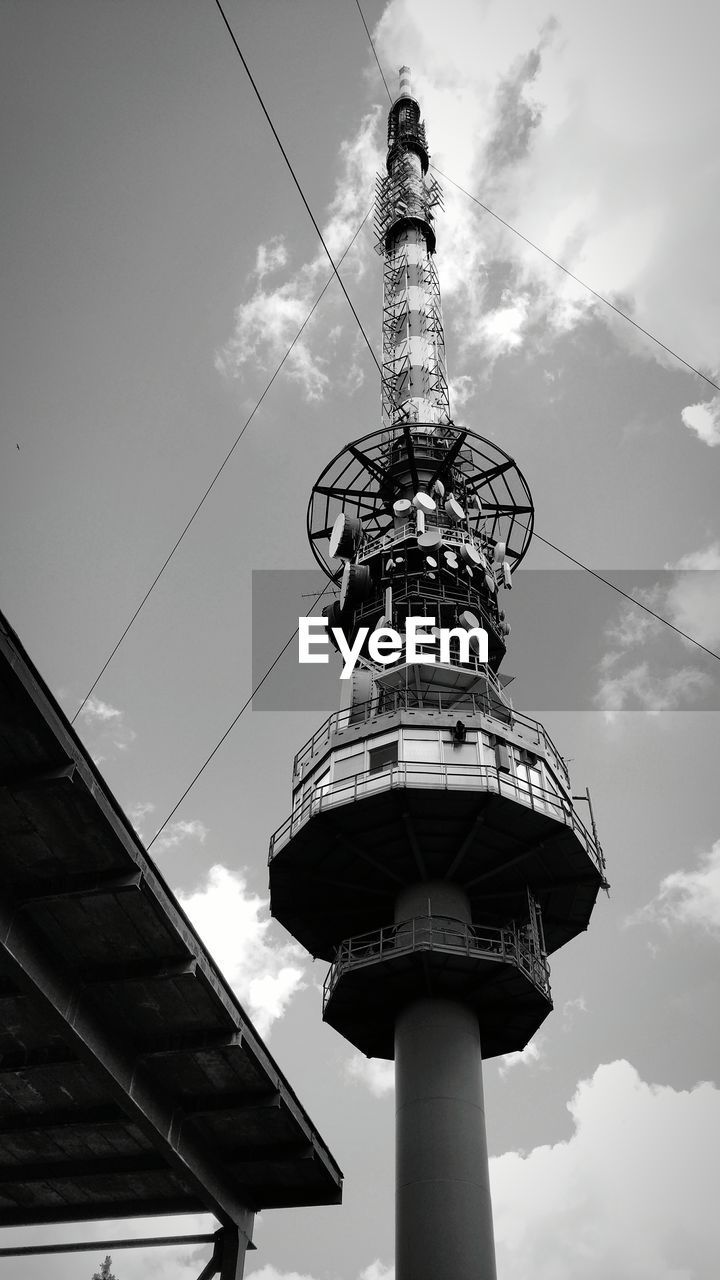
382 757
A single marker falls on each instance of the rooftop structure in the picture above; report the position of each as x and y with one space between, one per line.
131 1080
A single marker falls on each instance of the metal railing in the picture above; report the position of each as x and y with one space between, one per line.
405 699
454 535
508 944
436 776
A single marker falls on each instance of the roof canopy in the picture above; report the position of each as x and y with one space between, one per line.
131 1080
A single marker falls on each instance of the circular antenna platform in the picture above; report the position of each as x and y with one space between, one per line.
368 477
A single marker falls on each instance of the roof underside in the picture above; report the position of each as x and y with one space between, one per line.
131 1080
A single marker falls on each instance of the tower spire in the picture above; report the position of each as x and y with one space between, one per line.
414 387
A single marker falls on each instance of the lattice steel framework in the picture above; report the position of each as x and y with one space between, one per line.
414 385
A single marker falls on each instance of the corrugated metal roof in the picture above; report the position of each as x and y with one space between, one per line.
131 1079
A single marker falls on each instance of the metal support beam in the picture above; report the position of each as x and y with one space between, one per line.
80 887
101 1246
230 1254
96 1167
160 971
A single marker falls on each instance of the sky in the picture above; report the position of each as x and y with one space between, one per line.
157 262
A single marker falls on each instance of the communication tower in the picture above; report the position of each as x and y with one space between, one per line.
434 854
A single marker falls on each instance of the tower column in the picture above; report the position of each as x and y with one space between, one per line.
443 1214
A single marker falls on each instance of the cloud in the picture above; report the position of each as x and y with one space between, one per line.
532 1053
462 390
235 925
176 833
267 321
268 1272
610 1201
704 420
639 688
693 600
634 674
687 897
270 256
107 731
375 1271
375 1073
138 812
570 1010
614 182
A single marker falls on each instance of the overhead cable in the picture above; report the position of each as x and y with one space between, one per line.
632 599
224 462
295 179
232 724
508 225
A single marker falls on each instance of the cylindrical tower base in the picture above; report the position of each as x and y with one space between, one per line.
443 1213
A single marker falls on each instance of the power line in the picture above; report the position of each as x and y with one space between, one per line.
508 225
632 599
231 726
224 462
601 297
372 46
294 176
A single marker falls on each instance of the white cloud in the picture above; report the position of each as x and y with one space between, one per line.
270 256
106 727
638 686
268 1272
375 1271
234 923
267 321
612 1201
687 897
571 1008
533 1052
462 390
138 812
693 600
613 182
704 420
690 600
375 1073
176 833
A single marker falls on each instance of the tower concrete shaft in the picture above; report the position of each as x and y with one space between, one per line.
434 853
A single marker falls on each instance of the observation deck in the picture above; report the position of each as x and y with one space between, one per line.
501 973
383 800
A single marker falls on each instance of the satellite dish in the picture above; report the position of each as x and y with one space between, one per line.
439 488
451 560
499 552
470 554
345 536
355 586
490 583
402 508
468 620
507 575
453 510
430 539
423 502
